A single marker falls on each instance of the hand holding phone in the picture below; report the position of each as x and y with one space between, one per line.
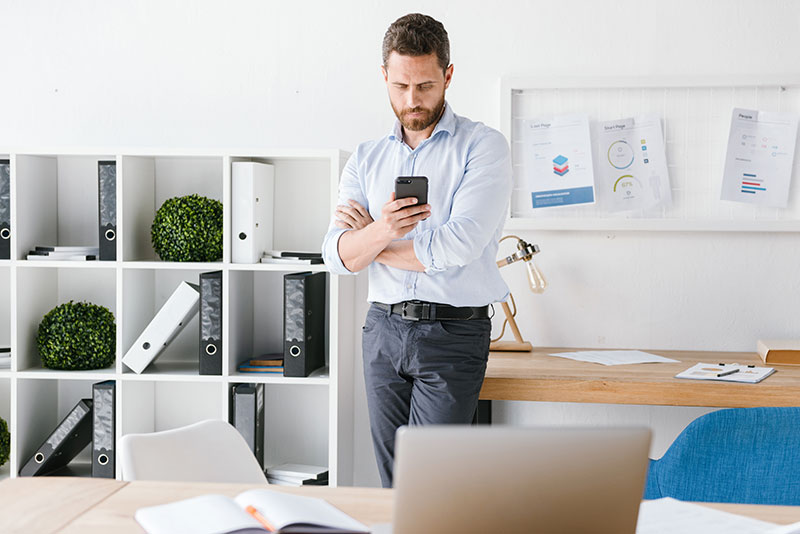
411 186
401 214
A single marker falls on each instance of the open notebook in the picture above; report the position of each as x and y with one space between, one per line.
217 514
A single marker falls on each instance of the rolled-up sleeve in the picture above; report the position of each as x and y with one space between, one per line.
479 205
349 189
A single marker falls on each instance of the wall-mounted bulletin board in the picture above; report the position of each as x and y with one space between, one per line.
695 119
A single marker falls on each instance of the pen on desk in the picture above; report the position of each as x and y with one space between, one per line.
726 373
260 518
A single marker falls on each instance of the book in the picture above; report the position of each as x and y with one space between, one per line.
61 257
268 359
726 372
268 369
780 351
80 249
298 470
296 482
292 261
217 514
290 254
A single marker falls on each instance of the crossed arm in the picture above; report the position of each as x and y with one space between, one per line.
380 241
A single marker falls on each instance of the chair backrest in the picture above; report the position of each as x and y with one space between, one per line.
208 451
741 455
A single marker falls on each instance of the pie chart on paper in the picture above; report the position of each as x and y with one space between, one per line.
620 154
628 187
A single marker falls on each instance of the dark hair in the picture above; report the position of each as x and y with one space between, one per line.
417 35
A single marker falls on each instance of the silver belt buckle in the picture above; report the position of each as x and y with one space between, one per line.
425 311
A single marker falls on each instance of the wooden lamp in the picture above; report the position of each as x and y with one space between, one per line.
525 252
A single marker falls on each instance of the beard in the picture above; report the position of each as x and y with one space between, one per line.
417 124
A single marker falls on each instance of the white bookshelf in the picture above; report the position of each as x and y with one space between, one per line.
54 201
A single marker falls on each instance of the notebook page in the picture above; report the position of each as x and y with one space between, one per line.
207 514
284 509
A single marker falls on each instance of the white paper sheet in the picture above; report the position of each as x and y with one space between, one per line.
741 373
758 163
670 516
631 164
557 161
614 357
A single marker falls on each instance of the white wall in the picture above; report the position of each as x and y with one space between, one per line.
305 74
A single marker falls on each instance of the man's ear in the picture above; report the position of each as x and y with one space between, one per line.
448 75
385 74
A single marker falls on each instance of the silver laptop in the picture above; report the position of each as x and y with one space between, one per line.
462 479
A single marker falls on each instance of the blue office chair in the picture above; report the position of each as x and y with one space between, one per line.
740 455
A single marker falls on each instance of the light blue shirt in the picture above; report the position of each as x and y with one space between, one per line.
468 166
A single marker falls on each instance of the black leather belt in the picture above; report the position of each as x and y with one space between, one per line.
417 310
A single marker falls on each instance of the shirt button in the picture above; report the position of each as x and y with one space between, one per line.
408 286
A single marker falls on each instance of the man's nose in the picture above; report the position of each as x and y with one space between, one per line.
413 98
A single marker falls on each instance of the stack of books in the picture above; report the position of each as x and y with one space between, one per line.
298 475
296 258
57 253
267 364
5 358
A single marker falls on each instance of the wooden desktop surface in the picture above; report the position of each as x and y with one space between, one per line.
535 376
93 506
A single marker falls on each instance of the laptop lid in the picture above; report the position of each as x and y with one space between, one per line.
459 479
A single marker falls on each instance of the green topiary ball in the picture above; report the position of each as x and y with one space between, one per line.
188 229
5 441
77 335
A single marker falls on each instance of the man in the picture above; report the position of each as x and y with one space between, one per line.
432 270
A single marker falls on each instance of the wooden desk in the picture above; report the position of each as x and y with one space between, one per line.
84 505
534 376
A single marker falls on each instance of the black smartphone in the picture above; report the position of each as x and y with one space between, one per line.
411 186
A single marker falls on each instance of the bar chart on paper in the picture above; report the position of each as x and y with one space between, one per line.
758 164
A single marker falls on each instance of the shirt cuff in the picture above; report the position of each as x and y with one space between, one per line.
422 249
331 253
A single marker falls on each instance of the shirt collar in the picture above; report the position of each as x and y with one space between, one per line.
446 124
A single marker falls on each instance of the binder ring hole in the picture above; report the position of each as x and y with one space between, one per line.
110 234
146 345
102 459
211 349
242 236
294 350
39 458
5 233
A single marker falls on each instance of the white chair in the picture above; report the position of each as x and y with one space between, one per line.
208 451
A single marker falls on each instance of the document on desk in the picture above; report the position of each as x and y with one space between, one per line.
613 357
668 516
727 372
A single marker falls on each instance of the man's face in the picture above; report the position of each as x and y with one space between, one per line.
416 89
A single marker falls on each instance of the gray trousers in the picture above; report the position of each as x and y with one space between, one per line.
420 373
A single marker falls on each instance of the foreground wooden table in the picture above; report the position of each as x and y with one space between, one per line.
534 376
92 506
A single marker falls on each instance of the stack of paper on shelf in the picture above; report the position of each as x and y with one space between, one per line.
59 253
5 357
289 257
298 475
179 308
267 363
